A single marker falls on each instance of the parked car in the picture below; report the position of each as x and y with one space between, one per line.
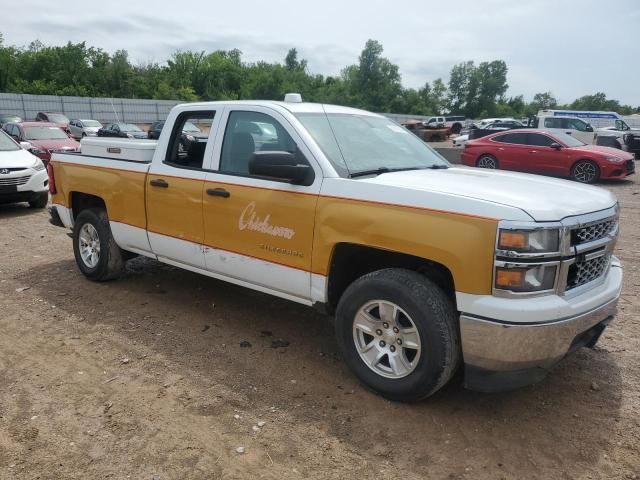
435 122
477 131
41 138
427 268
9 118
23 176
84 128
190 133
155 130
620 136
59 119
548 153
122 130
455 124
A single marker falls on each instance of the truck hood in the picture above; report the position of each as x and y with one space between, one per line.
542 198
17 159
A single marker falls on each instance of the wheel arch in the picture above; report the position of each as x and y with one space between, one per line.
350 261
82 201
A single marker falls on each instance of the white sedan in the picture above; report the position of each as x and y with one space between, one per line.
23 176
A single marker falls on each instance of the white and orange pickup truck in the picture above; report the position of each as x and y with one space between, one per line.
427 267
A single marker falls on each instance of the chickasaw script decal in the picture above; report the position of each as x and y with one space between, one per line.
250 220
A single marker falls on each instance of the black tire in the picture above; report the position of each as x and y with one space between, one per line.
40 202
585 171
434 317
110 263
485 161
456 128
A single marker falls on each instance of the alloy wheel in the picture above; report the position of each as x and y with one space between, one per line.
386 338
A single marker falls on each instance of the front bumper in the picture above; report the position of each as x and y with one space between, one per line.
506 354
617 171
36 185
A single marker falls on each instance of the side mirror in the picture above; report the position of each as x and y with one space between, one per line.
556 146
281 165
26 145
589 128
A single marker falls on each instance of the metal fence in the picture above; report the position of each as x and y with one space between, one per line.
103 109
140 111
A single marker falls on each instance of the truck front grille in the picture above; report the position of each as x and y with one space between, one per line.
583 272
9 182
593 232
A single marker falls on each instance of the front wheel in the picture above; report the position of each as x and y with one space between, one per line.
97 254
487 161
585 171
397 332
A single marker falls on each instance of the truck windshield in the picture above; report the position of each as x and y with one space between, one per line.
360 143
6 144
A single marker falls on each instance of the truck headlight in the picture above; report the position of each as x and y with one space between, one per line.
536 278
529 241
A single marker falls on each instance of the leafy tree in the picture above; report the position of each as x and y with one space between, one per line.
373 83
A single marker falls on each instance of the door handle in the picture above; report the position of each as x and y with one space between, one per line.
568 133
533 151
158 183
218 192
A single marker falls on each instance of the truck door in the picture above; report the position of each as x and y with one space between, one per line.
175 187
580 129
258 231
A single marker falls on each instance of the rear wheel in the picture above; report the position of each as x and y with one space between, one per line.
585 171
397 331
487 161
97 254
456 128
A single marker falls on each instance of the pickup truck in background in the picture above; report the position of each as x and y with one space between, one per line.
620 136
453 124
426 267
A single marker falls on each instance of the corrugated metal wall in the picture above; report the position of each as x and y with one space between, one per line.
138 111
102 109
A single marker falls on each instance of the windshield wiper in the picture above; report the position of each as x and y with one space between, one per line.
381 170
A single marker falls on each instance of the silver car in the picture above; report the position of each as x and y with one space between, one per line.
84 128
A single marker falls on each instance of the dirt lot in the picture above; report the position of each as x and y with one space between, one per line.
145 378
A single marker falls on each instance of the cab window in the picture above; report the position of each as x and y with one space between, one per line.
514 138
189 138
539 140
249 132
576 124
552 122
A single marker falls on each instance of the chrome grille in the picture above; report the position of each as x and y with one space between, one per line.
593 232
6 182
583 272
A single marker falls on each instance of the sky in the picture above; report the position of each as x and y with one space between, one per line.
569 47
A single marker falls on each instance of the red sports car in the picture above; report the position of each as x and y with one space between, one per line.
557 154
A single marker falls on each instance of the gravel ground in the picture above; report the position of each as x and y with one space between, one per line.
145 378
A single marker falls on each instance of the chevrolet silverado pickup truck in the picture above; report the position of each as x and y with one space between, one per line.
427 267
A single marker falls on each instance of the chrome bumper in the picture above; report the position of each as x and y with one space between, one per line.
520 353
